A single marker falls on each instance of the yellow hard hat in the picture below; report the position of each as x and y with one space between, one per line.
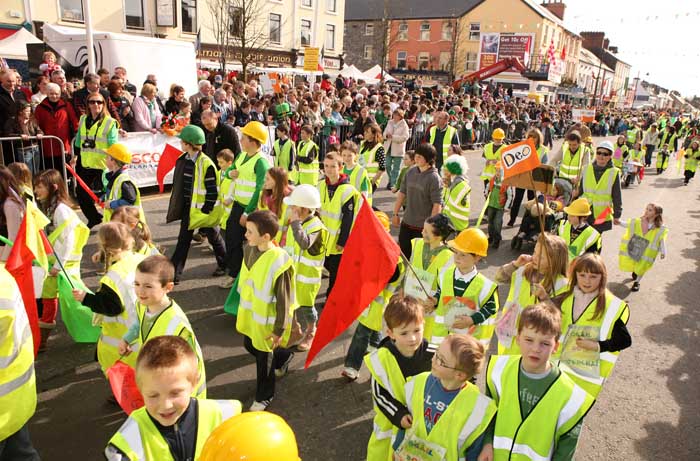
498 133
472 241
588 139
119 152
579 207
255 130
252 436
384 219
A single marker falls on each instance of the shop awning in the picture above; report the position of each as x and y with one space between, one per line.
13 43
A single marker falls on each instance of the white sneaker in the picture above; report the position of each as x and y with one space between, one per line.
227 283
260 406
350 373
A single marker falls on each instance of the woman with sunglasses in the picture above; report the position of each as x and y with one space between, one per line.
600 184
96 132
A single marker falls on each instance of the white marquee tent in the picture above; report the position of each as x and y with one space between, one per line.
15 45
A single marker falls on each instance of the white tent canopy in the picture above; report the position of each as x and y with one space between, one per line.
353 72
376 72
15 46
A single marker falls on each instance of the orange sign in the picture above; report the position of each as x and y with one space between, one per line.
519 158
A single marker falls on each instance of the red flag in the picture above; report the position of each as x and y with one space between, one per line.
603 216
166 164
368 262
84 186
122 380
563 54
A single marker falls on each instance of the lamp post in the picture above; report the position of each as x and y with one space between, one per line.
88 33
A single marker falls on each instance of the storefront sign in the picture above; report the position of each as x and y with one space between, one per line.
311 56
262 58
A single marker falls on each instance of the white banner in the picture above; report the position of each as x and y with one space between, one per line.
146 149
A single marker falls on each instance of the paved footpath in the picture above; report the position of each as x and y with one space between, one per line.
648 411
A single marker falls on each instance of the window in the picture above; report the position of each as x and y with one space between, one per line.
444 60
369 29
305 32
306 3
425 31
330 36
474 31
235 27
401 60
189 16
423 60
369 51
447 29
403 32
133 13
330 6
71 10
470 63
275 28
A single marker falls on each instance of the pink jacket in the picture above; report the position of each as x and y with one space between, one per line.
142 118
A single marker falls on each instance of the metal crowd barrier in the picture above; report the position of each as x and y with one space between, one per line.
39 153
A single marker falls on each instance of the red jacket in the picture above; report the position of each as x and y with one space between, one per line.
60 122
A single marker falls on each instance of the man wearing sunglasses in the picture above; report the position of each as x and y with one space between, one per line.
601 186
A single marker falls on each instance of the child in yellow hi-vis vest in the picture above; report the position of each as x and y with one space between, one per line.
167 374
158 315
267 305
121 190
644 240
224 160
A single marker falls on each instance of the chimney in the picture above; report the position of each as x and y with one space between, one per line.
606 44
593 40
555 7
613 49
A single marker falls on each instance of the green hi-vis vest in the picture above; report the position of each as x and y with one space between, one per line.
479 291
72 226
120 278
615 309
460 425
456 199
490 154
450 131
283 156
599 193
172 321
226 190
586 240
332 209
632 135
662 160
308 172
95 157
115 193
619 155
17 379
534 436
385 370
691 160
373 314
570 166
653 237
199 196
257 311
521 293
308 267
368 158
438 262
357 177
246 181
140 440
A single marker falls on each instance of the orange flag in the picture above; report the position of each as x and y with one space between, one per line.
519 158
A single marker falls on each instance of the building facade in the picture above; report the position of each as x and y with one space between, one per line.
364 42
594 77
597 44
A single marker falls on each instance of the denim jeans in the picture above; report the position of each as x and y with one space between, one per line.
393 167
31 156
495 217
362 338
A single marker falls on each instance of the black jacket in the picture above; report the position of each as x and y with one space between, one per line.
223 137
8 106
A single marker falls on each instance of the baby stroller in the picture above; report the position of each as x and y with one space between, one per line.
553 214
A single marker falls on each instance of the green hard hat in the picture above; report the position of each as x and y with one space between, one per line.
193 135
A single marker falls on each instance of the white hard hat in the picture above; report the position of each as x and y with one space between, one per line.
305 196
606 145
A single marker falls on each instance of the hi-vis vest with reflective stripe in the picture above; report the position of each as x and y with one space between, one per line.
120 278
172 321
535 438
570 166
307 267
436 265
139 439
666 141
245 183
615 309
490 154
479 291
115 193
385 370
332 209
308 172
225 185
457 204
599 194
632 135
282 220
359 175
257 311
17 379
368 158
464 420
199 195
691 160
283 156
654 236
373 314
450 131
80 232
520 292
95 157
585 240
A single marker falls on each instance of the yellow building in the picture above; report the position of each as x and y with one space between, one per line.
494 29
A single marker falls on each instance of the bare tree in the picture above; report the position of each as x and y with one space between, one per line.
220 27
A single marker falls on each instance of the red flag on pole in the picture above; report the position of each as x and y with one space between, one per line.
166 164
600 219
84 186
369 260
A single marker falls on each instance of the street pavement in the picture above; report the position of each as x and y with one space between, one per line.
648 410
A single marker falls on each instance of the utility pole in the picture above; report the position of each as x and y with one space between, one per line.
88 32
595 92
385 37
